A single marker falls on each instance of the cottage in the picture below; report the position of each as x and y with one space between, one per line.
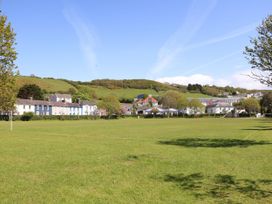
148 101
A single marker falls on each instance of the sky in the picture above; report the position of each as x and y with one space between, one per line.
175 41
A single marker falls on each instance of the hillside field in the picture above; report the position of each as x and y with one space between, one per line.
58 85
205 160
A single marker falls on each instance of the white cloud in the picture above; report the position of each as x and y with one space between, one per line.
243 79
184 80
239 79
86 36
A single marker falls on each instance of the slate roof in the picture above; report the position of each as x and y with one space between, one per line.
48 103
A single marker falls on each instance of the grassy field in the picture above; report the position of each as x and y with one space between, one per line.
50 85
132 93
57 85
137 161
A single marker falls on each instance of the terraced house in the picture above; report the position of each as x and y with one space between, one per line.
57 105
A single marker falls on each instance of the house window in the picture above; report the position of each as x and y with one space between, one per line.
23 106
29 107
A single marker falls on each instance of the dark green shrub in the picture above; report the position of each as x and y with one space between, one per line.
27 116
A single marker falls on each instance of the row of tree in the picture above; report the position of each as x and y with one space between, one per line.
253 106
175 99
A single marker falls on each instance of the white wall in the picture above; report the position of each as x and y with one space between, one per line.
21 109
89 110
58 110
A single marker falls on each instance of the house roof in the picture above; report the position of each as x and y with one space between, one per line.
90 103
219 105
48 103
150 98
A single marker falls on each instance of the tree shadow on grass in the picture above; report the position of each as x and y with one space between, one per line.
260 128
221 187
215 143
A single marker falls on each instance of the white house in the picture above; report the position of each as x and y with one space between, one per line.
40 107
219 108
88 108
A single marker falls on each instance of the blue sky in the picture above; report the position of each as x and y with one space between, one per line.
177 41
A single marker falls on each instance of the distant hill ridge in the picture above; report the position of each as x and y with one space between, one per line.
63 85
125 89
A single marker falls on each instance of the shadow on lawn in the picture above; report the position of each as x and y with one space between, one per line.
216 143
260 128
221 186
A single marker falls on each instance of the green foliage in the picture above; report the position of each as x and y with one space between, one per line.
31 91
173 99
194 88
170 99
8 55
260 55
27 116
251 105
195 105
266 102
182 102
211 90
111 104
72 91
132 83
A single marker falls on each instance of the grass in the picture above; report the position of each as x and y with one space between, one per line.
50 85
137 161
129 93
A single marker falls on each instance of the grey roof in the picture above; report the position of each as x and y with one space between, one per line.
90 103
219 105
48 103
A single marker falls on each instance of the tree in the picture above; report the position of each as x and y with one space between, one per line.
8 72
31 91
195 105
211 90
182 102
266 103
170 99
251 105
111 104
260 55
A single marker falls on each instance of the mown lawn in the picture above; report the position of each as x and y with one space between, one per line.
137 161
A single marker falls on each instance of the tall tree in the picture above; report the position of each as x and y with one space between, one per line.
260 54
170 99
266 103
8 72
111 104
196 105
31 91
251 105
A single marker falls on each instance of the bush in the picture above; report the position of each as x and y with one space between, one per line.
27 116
4 117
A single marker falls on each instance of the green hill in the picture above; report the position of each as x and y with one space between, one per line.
123 89
49 84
